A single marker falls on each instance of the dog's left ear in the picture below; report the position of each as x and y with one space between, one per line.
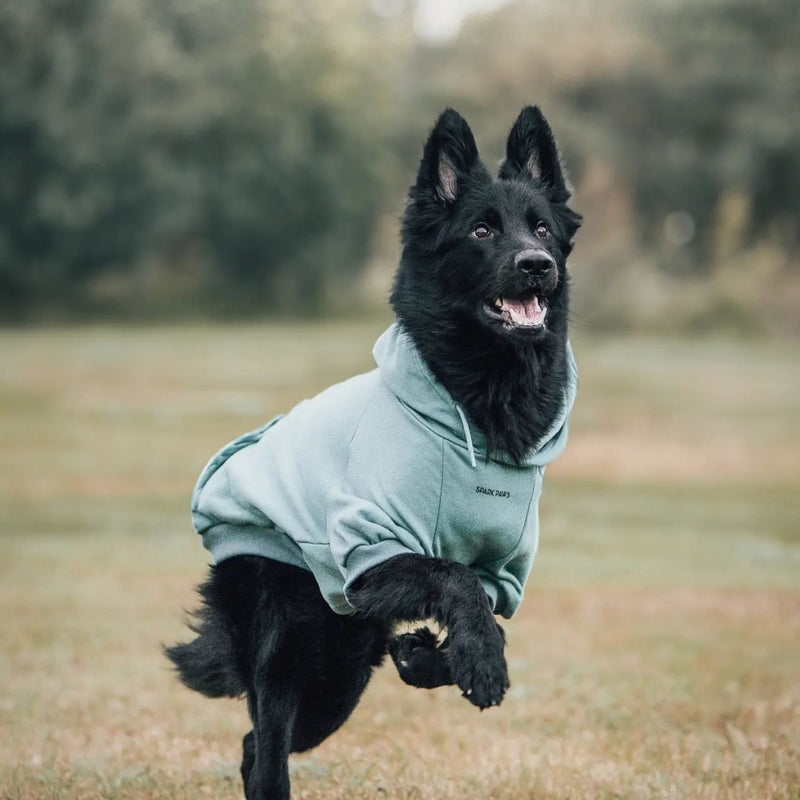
531 154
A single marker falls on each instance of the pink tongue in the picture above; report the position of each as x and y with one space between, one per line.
527 312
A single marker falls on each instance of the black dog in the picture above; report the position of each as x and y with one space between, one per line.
481 303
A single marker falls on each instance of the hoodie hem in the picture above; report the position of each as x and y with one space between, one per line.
225 541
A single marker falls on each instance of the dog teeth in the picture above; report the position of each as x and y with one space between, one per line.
498 303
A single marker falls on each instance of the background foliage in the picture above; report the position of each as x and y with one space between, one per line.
164 158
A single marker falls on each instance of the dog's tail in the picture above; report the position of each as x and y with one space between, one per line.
208 664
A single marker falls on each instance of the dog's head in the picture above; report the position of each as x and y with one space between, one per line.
488 252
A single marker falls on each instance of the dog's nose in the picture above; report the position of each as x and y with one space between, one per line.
534 262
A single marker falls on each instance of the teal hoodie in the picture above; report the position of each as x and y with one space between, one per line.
381 465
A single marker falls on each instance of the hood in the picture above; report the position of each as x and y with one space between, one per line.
403 370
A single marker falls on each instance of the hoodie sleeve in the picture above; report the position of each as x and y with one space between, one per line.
504 583
388 502
362 535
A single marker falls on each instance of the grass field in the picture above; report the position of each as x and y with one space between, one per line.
657 654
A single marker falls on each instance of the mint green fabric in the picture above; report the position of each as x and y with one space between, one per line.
377 466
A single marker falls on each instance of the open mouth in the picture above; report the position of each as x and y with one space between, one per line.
526 311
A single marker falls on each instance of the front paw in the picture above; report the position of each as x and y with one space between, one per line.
419 660
479 665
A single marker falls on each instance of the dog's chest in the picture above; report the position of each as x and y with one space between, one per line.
485 511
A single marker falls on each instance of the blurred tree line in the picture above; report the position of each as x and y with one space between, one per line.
165 157
175 152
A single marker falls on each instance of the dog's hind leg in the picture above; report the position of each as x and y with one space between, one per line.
311 685
304 667
345 653
274 673
248 756
265 767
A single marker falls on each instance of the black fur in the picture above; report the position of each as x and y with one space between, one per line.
264 630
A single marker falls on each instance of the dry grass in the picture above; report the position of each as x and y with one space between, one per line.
657 654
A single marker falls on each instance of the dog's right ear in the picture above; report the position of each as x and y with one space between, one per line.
449 155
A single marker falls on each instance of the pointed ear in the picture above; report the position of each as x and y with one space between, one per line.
531 154
449 155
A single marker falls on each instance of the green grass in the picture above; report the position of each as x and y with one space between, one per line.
657 654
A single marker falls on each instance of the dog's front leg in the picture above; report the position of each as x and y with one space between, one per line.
411 587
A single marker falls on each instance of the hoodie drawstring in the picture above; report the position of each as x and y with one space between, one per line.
467 435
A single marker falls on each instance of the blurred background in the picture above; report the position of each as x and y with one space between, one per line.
162 159
211 162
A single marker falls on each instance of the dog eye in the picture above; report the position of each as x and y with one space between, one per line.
482 231
542 231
